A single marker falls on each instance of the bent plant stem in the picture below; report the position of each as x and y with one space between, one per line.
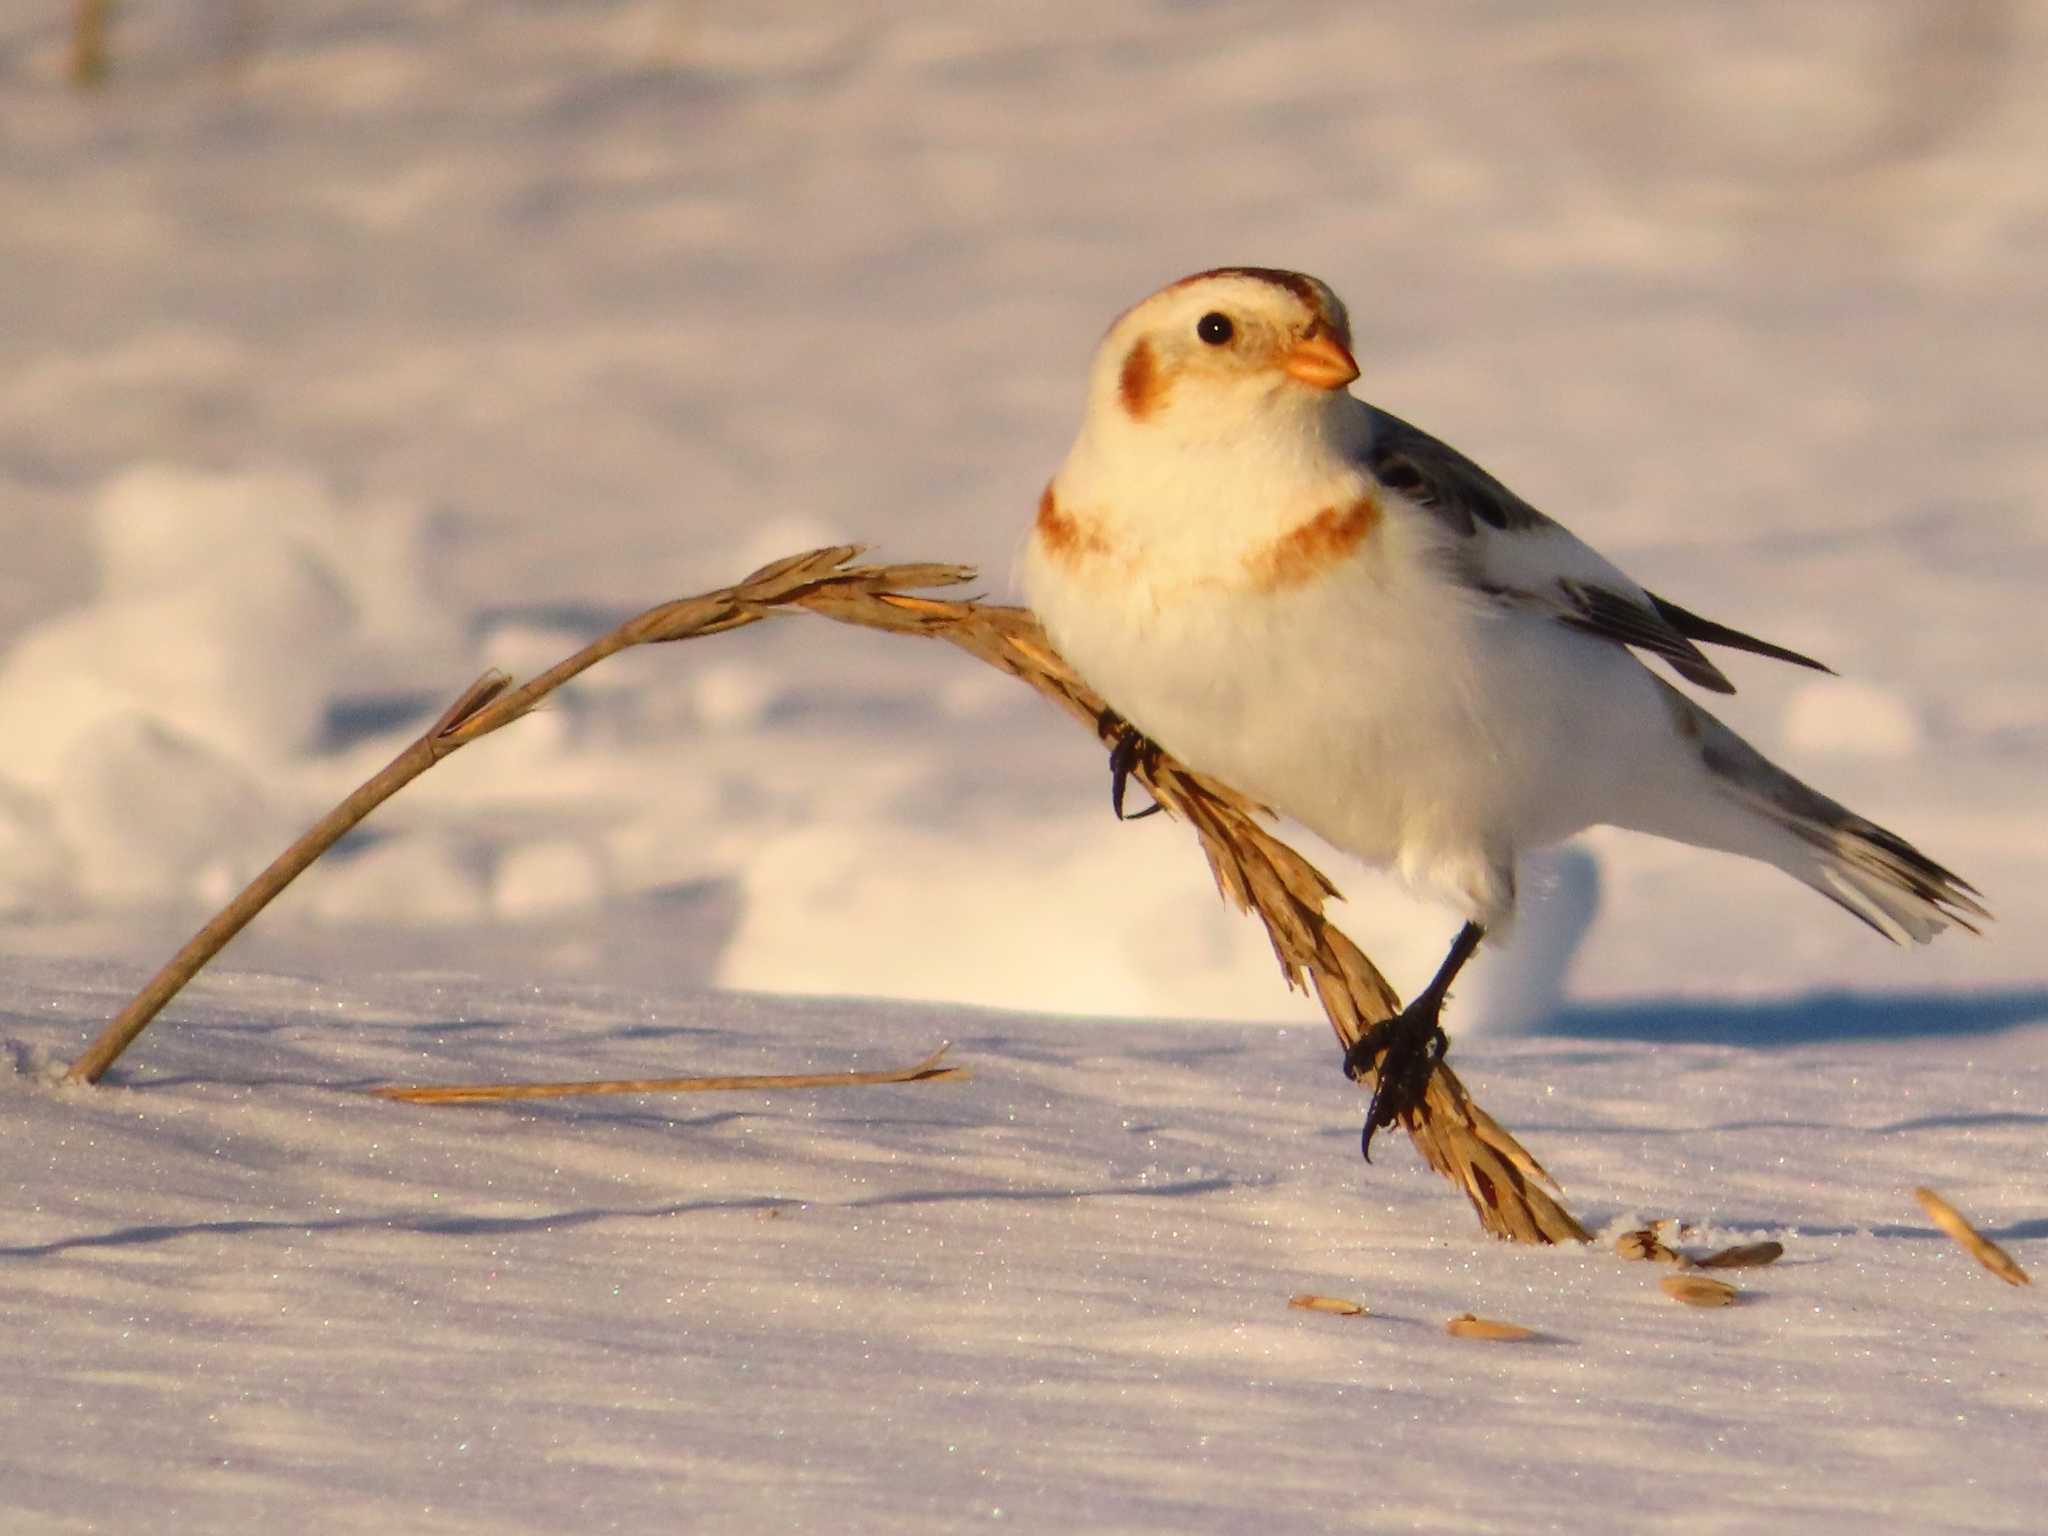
489 704
1254 870
415 760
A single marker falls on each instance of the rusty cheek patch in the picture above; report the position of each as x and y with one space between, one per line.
1141 385
1310 550
1066 538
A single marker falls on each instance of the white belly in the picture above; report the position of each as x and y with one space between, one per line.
1399 716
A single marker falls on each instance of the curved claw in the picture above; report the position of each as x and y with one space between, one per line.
1403 1080
1407 1048
1123 757
1116 800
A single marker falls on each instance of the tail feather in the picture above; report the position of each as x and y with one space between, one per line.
1885 880
1874 874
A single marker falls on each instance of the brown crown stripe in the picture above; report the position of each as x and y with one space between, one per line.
1141 385
1308 551
1294 282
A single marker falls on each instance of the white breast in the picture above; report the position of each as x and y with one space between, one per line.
1385 705
1298 695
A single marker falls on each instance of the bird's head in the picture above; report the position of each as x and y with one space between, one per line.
1206 355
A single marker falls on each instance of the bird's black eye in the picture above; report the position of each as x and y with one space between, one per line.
1215 328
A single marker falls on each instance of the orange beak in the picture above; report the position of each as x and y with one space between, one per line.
1321 361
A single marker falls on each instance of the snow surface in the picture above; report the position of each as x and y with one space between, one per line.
354 346
237 1293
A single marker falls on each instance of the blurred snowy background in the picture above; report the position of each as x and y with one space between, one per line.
348 347
351 346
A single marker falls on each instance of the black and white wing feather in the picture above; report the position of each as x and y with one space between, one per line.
1514 553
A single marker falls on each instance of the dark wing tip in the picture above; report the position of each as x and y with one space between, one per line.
1707 632
1701 672
1613 616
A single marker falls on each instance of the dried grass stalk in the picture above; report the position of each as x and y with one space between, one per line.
1513 1195
1980 1247
89 54
486 705
491 1093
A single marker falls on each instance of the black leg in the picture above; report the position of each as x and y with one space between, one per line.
1408 1046
1131 746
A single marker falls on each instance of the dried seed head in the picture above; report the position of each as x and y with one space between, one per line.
1309 1302
1643 1243
1981 1248
1698 1290
1466 1326
1743 1256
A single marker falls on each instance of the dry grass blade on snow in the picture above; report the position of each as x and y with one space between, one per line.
1253 868
496 1093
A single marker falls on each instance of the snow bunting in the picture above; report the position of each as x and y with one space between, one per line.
1354 624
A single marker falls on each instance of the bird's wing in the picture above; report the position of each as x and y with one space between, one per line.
1513 553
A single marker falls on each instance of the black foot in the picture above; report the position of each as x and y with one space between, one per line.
1413 1042
1131 748
1408 1046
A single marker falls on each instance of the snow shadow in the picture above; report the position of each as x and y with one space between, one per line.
439 1224
1802 1020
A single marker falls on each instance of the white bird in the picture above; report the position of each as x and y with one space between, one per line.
1349 621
